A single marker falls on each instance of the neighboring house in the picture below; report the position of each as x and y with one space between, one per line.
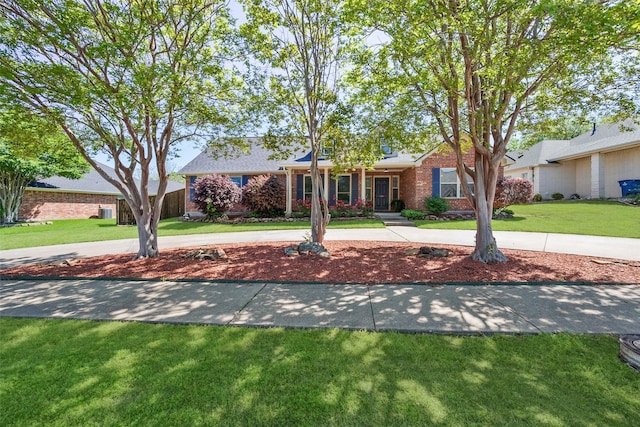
63 198
589 165
398 176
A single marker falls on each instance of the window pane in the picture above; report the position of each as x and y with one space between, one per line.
449 190
307 184
396 181
448 176
344 184
237 180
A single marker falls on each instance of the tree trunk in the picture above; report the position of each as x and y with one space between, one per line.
11 194
319 207
147 237
486 249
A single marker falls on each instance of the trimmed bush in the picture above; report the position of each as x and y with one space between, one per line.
264 195
512 191
537 197
436 205
413 214
557 196
215 194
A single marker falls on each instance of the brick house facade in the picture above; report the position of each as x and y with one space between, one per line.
47 205
399 176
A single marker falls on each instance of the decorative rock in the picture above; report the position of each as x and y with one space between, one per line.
412 252
630 350
313 247
429 252
291 252
210 254
306 248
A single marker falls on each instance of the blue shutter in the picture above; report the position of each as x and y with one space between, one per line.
354 188
245 180
332 191
435 182
299 186
192 180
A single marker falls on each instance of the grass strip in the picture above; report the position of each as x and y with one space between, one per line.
72 373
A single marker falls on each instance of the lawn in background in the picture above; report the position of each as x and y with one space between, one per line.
595 217
77 373
94 230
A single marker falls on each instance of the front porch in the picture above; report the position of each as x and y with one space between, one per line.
382 187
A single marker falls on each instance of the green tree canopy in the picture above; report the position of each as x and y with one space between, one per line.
131 79
31 149
470 69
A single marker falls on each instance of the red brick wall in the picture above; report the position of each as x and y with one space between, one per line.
417 183
46 205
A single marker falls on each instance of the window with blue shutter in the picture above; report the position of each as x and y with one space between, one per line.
192 180
354 188
435 182
299 187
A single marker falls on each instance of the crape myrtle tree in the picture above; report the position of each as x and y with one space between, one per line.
31 149
474 67
128 78
302 45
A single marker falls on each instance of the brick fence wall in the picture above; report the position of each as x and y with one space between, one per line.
46 205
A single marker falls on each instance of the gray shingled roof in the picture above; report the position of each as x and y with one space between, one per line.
93 183
537 154
255 161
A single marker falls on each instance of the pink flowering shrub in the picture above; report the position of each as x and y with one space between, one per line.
512 191
264 195
215 194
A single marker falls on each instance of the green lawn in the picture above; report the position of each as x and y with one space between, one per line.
79 373
94 230
598 218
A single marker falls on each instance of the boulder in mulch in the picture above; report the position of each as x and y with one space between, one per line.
210 254
429 252
307 248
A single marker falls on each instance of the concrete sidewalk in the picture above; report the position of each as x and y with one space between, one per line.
605 247
411 308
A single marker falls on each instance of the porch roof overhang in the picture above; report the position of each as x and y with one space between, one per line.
392 163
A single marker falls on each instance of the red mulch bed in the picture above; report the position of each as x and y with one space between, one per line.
350 262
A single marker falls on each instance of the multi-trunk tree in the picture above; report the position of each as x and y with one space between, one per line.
472 68
131 79
31 149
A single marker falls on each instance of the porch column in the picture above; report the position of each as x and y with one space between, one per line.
597 176
326 184
363 184
288 209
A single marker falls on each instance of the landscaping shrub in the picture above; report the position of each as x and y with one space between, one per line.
436 205
364 206
537 197
512 191
215 194
264 195
557 196
413 214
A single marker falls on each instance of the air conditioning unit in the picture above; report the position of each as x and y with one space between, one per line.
104 213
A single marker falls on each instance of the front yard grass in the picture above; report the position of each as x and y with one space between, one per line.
95 230
77 373
596 217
